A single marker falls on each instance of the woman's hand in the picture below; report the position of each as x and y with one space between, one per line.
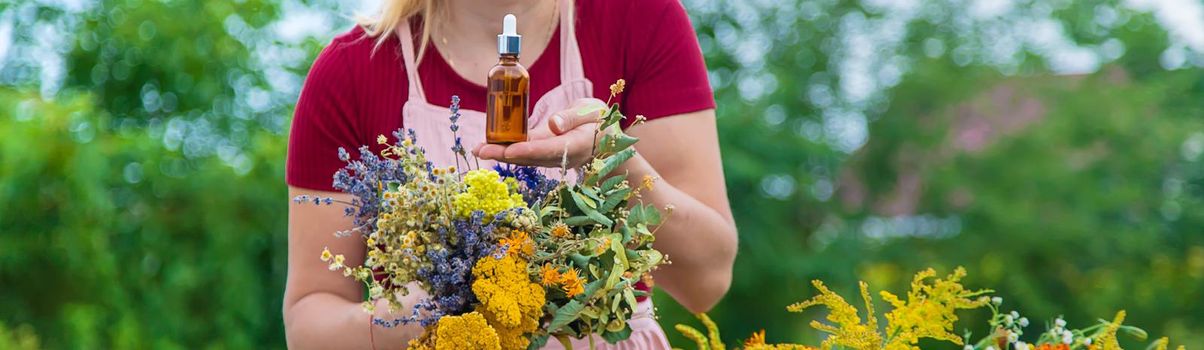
570 131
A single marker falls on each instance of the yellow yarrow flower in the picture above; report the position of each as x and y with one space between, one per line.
486 192
509 300
467 331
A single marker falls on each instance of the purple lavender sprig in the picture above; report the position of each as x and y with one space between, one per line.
449 278
458 146
364 179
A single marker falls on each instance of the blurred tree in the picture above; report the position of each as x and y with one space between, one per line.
113 242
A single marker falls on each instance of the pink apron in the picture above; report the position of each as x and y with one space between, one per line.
432 126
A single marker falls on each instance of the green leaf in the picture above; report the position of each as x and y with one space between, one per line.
565 315
615 141
615 275
538 341
654 257
609 164
591 313
593 287
569 206
633 255
598 217
615 199
630 296
611 117
626 232
578 221
584 202
616 245
615 337
580 260
652 215
588 191
636 215
611 182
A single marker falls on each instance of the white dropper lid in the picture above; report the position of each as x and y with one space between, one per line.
509 25
509 42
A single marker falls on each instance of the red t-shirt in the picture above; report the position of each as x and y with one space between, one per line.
352 95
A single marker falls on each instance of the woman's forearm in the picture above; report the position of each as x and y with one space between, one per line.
698 240
328 321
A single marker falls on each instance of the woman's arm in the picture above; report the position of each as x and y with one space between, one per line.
699 236
322 308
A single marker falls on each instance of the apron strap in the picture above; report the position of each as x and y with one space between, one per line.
570 55
407 55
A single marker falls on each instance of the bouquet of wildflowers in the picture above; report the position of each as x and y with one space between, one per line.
929 310
509 257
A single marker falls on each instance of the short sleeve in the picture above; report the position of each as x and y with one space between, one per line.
666 74
324 120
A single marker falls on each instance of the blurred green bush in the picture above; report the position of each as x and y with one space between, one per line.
112 241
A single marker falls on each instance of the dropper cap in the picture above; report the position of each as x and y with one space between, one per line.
509 42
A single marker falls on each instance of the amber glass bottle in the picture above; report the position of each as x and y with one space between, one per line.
509 91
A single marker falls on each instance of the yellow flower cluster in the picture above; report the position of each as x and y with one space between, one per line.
1107 340
930 309
486 192
1164 342
757 342
928 312
850 332
467 331
510 302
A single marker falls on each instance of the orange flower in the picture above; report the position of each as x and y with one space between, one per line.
550 275
572 283
560 230
1053 347
519 243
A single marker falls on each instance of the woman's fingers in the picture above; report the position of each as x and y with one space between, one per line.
583 111
569 131
549 152
489 151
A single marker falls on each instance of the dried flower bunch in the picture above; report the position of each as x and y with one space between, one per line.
928 311
509 257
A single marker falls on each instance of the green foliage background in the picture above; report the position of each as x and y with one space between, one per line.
142 202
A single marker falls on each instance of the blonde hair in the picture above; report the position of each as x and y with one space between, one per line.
396 13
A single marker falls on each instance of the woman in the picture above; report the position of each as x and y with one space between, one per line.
399 70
